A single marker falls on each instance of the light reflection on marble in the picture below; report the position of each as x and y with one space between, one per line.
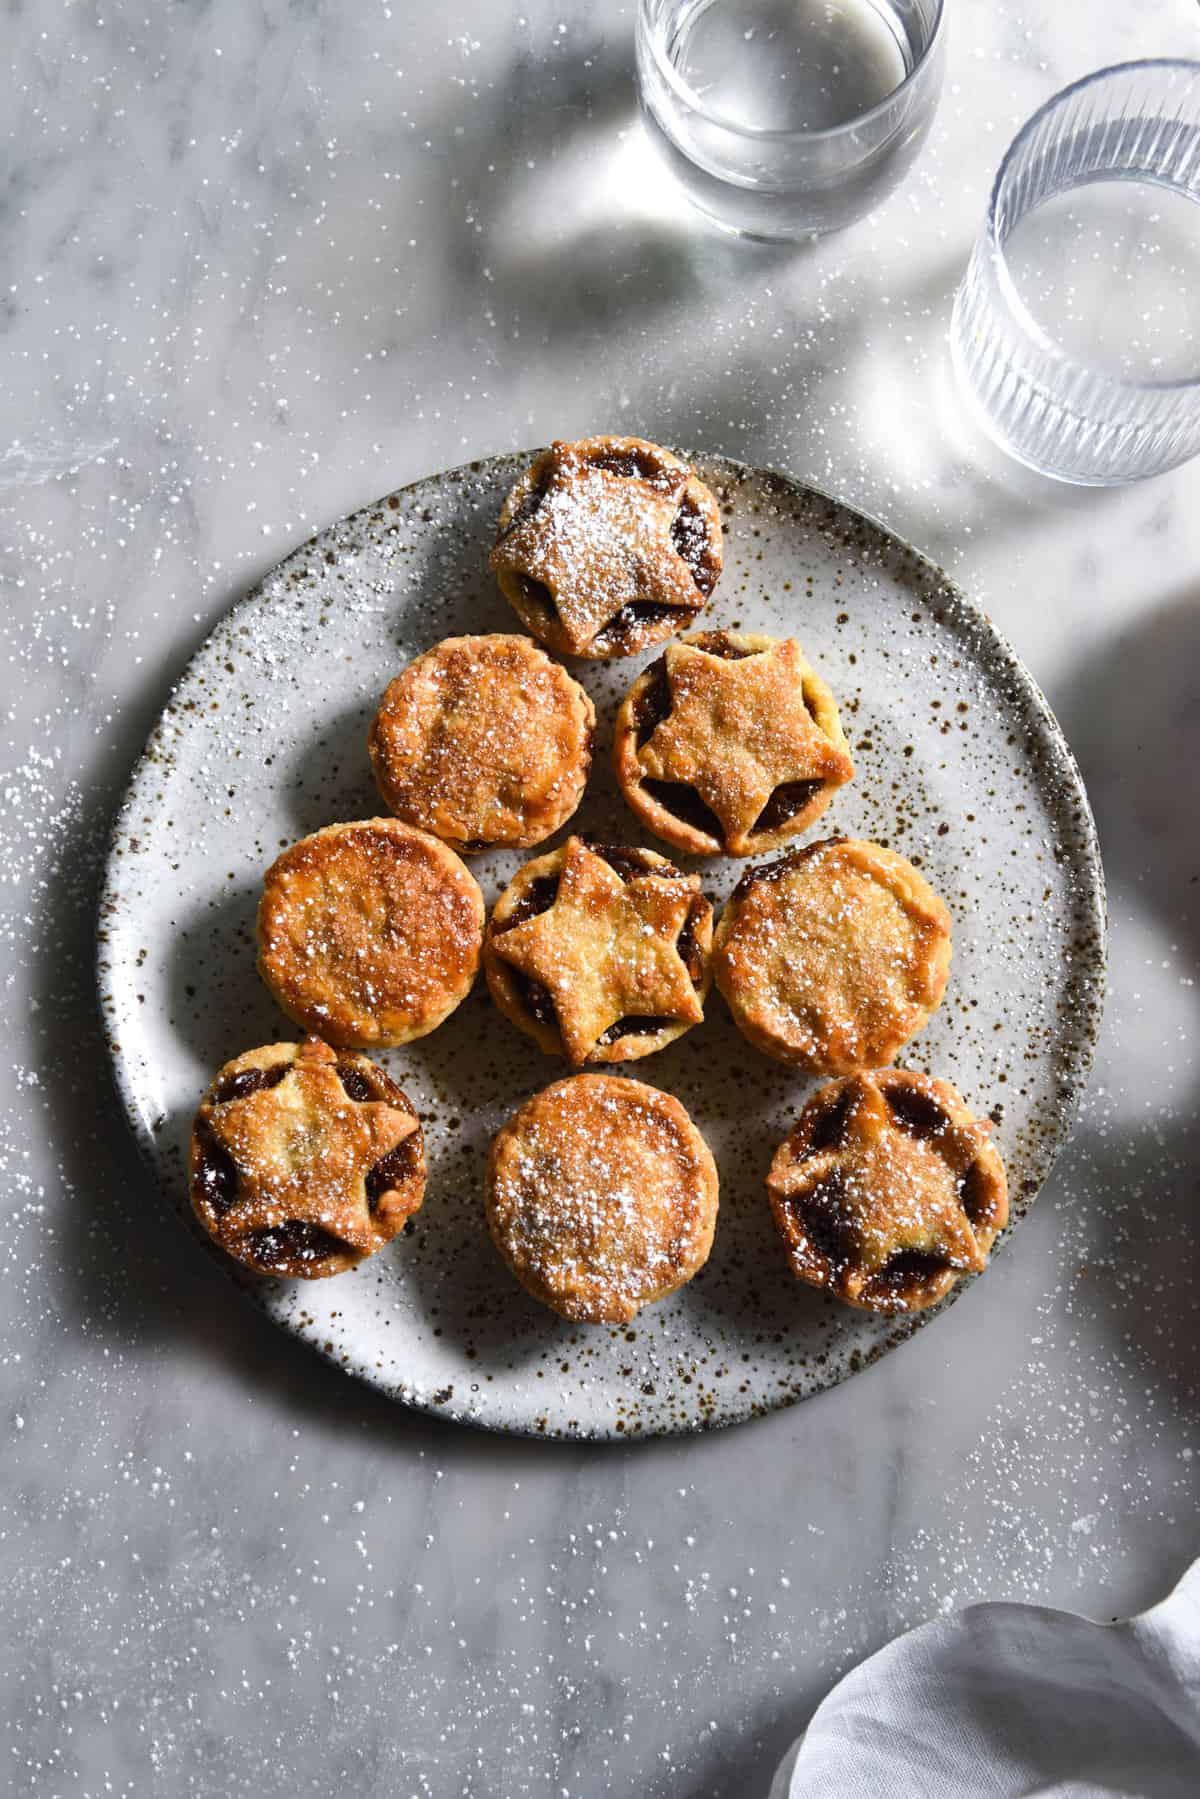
260 264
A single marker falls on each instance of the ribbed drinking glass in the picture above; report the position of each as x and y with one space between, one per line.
1076 331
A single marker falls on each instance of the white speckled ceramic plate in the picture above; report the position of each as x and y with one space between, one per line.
959 765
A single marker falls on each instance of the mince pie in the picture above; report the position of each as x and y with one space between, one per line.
729 742
600 952
834 956
607 546
483 741
304 1160
601 1197
369 933
887 1191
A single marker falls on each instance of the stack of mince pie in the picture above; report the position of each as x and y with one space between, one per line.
600 1192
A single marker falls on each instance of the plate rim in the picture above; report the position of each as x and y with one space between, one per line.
1092 904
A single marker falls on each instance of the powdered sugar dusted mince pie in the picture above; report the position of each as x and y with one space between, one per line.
600 951
607 546
483 741
834 956
887 1191
304 1160
369 933
730 741
601 1197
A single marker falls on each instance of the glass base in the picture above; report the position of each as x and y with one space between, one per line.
987 425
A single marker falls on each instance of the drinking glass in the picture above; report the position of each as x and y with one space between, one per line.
1076 331
785 118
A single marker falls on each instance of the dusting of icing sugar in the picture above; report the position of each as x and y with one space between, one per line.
220 1563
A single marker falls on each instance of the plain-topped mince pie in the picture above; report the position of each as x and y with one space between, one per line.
730 742
601 1197
304 1160
887 1191
369 933
483 741
834 956
600 952
607 546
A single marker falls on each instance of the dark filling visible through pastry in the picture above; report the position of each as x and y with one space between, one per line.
250 1080
828 1129
824 1223
685 804
295 1240
788 799
653 704
915 1112
400 1164
829 1234
976 1195
355 1082
621 626
633 619
689 535
922 1117
901 1273
216 1172
680 799
689 538
393 1170
539 896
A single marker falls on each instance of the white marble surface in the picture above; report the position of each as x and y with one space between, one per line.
259 263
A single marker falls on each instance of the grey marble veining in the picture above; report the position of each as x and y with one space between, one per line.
258 264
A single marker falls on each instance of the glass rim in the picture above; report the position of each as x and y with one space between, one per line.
684 91
1017 306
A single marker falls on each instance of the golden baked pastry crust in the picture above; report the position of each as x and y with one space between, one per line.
600 952
834 956
607 546
730 742
483 740
369 933
887 1191
303 1160
601 1197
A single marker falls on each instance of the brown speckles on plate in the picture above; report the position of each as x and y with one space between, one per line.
992 808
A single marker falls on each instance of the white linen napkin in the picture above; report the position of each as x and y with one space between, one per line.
1007 1700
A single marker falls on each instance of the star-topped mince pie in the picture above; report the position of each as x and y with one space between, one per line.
832 957
602 1197
607 546
887 1191
483 741
369 933
600 952
729 742
304 1160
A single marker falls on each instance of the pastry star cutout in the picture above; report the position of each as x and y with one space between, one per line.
303 1149
606 949
737 730
883 1191
599 541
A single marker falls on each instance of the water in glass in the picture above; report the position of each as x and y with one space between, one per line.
785 117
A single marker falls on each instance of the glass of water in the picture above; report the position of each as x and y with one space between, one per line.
785 118
1076 332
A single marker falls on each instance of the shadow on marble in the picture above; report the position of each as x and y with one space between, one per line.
743 1757
1132 716
957 479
